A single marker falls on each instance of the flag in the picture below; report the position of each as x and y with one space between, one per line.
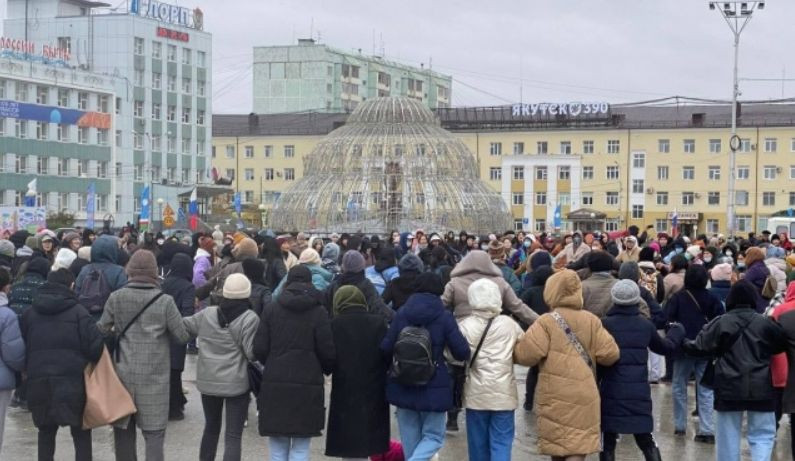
238 205
91 197
674 223
30 195
557 217
181 218
144 219
193 209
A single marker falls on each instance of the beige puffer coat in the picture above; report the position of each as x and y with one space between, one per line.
490 384
567 398
477 265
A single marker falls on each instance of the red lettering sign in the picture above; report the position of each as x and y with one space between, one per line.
173 34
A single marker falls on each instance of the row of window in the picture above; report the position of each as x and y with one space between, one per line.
48 95
60 166
171 113
715 145
662 199
744 224
248 151
769 172
270 174
22 129
60 202
139 48
156 143
542 147
171 83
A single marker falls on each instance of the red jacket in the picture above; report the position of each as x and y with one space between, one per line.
778 364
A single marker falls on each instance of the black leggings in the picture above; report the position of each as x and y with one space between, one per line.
80 438
530 387
236 413
644 441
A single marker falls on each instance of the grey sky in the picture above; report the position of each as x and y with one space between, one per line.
613 50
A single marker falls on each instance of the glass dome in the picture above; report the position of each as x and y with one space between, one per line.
391 166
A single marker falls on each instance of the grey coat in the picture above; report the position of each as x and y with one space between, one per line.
596 296
222 369
144 359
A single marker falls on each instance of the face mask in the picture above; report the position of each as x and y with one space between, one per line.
577 241
678 250
729 254
526 244
484 247
596 248
740 264
707 259
422 246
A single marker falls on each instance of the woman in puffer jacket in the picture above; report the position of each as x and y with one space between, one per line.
490 395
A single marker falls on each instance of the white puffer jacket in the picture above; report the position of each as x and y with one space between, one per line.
778 269
490 384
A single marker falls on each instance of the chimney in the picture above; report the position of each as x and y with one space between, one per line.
253 122
697 119
306 41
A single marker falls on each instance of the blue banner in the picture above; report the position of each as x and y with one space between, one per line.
91 205
238 206
144 220
53 114
557 217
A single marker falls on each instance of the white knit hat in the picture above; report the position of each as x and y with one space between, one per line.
237 286
485 295
64 259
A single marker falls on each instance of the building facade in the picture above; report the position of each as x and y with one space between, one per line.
637 164
317 78
163 104
55 126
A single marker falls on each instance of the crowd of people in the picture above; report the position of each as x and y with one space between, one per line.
426 323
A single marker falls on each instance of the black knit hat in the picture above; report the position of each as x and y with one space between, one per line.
600 261
646 254
429 282
742 294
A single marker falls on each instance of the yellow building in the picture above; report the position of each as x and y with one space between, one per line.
636 164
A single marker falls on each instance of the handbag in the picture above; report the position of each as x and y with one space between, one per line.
254 368
114 343
107 400
480 344
574 340
708 378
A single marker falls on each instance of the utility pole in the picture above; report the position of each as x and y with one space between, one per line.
737 15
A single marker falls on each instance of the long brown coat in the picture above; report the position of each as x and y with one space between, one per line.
567 399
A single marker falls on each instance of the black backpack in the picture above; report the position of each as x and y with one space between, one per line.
412 358
95 291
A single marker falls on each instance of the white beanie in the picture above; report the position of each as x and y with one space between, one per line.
485 295
64 259
237 286
84 253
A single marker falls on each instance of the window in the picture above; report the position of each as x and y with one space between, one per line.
612 172
138 109
138 77
102 137
564 173
157 143
542 148
21 164
743 172
688 198
63 97
118 173
714 146
102 169
186 115
495 148
689 146
688 173
186 56
41 165
769 172
713 226
42 130
171 113
138 141
660 225
771 144
171 144
200 117
138 46
587 172
517 198
565 147
42 94
249 151
518 172
201 58
540 225
792 172
638 160
662 198
248 174
186 145
104 104
139 172
611 198
157 78
21 128
768 199
186 85
289 151
157 50
63 167
587 198
82 135
662 173
82 100
2 130
792 145
713 198
587 147
714 173
230 151
745 145
268 151
518 148
172 83
637 211
495 173
156 176
663 146
63 132
156 111
541 198
118 106
637 186
613 146
741 198
541 173
268 174
172 53
22 92
792 199
289 174
564 199
200 86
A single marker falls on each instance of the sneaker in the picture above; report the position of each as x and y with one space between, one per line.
679 433
703 438
452 425
176 416
185 391
192 350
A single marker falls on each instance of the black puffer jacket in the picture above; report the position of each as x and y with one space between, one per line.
742 369
295 344
61 338
178 284
20 298
399 289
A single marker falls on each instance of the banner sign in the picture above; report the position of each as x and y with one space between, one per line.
173 34
567 109
24 49
31 219
53 114
171 14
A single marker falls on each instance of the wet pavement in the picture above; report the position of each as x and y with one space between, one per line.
183 437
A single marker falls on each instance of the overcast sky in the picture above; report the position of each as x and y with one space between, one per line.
610 50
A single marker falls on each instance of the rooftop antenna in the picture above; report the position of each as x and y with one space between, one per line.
318 36
374 42
383 50
311 26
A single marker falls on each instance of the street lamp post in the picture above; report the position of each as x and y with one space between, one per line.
262 211
160 202
737 15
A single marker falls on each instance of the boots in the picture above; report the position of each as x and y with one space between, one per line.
607 456
652 454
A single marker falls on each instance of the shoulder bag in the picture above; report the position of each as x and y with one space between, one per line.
115 341
480 343
107 400
254 368
708 378
698 306
573 340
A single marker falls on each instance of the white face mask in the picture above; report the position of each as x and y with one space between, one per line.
707 259
160 241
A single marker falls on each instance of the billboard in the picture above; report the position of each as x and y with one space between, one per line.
53 114
14 218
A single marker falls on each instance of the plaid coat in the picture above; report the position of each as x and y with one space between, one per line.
144 358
